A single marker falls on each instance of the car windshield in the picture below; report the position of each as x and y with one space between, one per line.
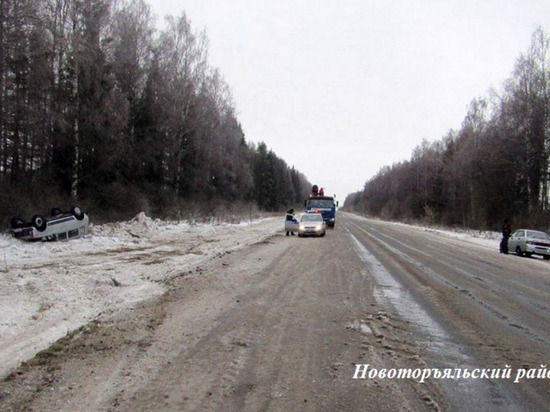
312 218
537 235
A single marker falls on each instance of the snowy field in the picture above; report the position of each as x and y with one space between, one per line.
48 289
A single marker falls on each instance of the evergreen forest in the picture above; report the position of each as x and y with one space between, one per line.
495 167
100 107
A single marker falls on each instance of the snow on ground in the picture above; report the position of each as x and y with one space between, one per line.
48 289
486 239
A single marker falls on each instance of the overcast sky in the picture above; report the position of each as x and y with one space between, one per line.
339 89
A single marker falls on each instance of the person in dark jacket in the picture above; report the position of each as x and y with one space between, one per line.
506 232
290 217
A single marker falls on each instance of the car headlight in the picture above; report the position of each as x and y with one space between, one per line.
318 227
301 227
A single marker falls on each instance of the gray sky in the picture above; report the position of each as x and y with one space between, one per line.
339 89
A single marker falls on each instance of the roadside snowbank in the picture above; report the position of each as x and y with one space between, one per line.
48 289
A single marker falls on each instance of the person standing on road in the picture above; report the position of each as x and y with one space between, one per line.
290 217
506 232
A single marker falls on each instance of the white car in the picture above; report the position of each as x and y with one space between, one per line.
60 226
530 242
312 224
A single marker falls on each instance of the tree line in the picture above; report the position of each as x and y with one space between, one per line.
100 107
495 167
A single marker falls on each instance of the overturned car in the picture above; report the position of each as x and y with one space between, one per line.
60 226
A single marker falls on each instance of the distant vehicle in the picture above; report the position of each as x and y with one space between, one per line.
530 242
312 224
60 226
323 204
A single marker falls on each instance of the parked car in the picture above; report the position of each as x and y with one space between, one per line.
60 226
530 242
312 224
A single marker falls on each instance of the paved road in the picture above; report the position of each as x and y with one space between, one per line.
468 306
284 324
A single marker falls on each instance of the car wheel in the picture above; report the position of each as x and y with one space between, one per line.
77 212
39 223
518 251
546 257
16 222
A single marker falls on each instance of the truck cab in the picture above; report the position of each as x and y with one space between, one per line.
326 205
